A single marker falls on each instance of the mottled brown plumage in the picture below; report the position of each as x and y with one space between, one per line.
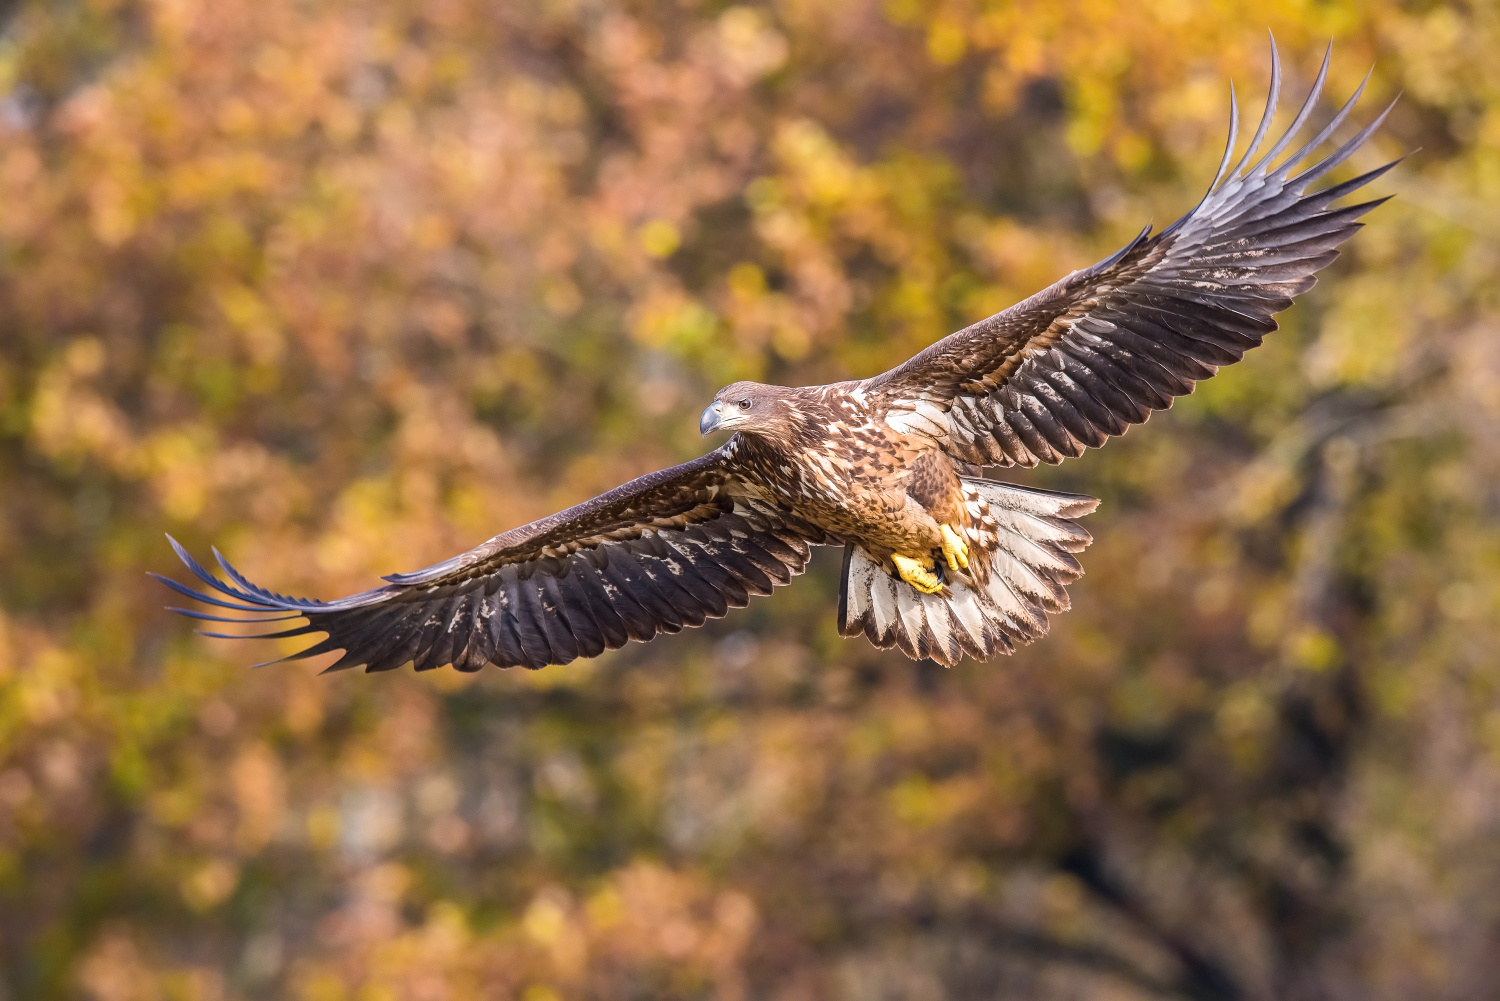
938 561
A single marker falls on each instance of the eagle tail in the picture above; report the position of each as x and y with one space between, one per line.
1022 543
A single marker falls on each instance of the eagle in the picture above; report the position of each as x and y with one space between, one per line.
939 561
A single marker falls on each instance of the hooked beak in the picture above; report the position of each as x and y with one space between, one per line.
711 419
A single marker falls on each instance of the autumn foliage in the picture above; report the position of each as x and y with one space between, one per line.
345 287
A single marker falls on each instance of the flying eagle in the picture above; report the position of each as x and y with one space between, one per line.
939 561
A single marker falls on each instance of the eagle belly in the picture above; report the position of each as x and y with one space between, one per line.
881 493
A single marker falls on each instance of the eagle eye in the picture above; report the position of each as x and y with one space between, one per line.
744 404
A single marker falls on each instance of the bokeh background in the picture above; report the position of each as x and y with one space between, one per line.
347 286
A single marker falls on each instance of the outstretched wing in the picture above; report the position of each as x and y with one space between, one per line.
668 550
1101 349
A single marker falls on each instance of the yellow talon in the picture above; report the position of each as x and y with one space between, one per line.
955 549
918 574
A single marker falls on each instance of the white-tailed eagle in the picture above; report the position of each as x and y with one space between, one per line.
938 561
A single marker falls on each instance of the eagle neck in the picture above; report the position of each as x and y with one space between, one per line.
769 449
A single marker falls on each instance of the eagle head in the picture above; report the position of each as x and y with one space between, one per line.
751 407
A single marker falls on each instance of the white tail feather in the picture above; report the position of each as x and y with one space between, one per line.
1021 545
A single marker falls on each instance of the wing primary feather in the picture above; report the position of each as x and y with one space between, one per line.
233 574
1274 231
1264 163
1333 193
1337 157
257 597
203 575
205 617
208 599
1234 134
1327 130
257 593
278 635
1272 97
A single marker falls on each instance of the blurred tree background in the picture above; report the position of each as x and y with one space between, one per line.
348 286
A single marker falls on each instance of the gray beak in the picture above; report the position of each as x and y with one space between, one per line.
711 419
